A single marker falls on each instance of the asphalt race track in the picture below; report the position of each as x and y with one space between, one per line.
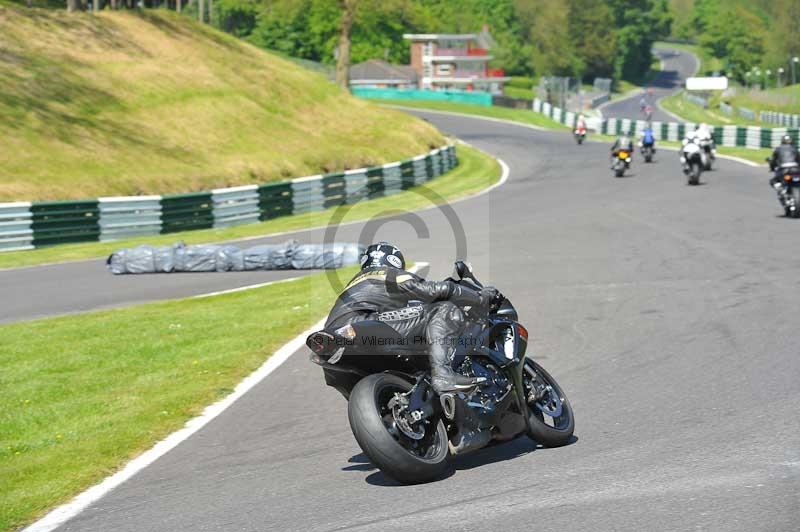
667 312
678 66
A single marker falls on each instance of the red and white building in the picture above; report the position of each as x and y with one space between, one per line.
455 61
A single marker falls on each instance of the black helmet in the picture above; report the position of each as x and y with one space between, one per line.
382 254
786 139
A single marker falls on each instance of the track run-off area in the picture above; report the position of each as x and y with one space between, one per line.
668 313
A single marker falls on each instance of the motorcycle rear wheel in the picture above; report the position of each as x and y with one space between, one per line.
694 174
398 456
795 192
544 429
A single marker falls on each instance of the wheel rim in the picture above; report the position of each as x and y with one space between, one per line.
546 399
426 448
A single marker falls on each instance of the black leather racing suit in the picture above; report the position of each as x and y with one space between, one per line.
384 294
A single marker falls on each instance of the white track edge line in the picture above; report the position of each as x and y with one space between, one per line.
65 512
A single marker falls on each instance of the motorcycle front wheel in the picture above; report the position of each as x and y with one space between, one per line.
550 417
409 459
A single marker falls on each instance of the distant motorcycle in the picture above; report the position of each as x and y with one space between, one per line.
580 134
647 152
693 161
622 161
790 197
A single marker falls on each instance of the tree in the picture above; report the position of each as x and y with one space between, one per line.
75 5
594 39
552 48
348 8
736 36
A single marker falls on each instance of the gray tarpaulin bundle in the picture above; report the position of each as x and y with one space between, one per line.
179 257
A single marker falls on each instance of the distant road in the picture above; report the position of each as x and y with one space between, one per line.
678 65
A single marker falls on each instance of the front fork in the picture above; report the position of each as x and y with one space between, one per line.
517 378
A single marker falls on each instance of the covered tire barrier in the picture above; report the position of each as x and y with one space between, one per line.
179 257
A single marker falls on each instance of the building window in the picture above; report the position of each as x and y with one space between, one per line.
427 49
444 70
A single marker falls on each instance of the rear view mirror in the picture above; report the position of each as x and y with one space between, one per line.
464 270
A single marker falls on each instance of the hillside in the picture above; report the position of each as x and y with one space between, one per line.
124 103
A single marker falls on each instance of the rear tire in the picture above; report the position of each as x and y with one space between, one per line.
366 412
694 174
560 433
619 172
796 196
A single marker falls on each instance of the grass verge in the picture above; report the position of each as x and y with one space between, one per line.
692 112
84 394
476 171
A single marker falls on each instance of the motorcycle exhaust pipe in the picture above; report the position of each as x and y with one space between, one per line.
448 401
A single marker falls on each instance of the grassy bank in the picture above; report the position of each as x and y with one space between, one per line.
84 394
475 172
783 100
140 102
691 112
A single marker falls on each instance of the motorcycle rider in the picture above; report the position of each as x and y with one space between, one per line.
580 123
703 135
414 307
623 142
648 138
784 157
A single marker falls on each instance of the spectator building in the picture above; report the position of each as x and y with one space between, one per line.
455 61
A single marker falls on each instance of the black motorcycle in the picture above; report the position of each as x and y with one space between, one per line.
693 161
620 161
409 431
790 196
647 152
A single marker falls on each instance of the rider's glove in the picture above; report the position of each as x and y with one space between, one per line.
489 295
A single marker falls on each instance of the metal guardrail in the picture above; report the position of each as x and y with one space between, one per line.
781 119
25 225
15 226
731 136
744 112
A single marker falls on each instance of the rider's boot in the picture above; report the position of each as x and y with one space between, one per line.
443 329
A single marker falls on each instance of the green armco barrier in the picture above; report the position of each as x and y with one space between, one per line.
61 222
475 98
334 190
182 212
274 199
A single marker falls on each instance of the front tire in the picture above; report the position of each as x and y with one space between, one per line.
406 460
542 428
